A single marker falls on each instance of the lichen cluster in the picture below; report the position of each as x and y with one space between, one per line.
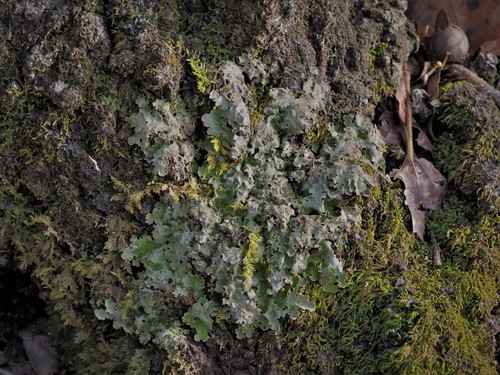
266 215
260 219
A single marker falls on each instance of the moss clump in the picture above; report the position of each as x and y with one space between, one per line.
469 150
397 313
381 88
26 136
355 329
457 300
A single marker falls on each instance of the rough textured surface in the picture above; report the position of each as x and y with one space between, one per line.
472 155
81 184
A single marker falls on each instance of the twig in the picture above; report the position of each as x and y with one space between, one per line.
460 72
409 116
436 250
439 65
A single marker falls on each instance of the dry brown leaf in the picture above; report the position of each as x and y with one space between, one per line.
424 141
424 13
433 84
393 132
425 189
389 130
479 18
400 96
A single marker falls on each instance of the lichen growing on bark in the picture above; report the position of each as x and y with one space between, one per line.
73 191
271 220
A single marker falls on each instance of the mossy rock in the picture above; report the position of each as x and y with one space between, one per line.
398 312
469 148
73 191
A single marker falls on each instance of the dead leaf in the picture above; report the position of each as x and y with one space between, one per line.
424 141
483 26
433 84
400 96
480 19
389 130
42 356
425 189
392 131
424 13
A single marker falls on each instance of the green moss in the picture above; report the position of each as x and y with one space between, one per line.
65 276
320 133
470 147
455 302
252 257
379 50
26 136
397 313
380 86
213 38
33 203
203 82
355 329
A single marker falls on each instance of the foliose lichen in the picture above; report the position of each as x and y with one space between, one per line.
163 138
252 216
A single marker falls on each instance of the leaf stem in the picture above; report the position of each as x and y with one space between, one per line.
409 117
